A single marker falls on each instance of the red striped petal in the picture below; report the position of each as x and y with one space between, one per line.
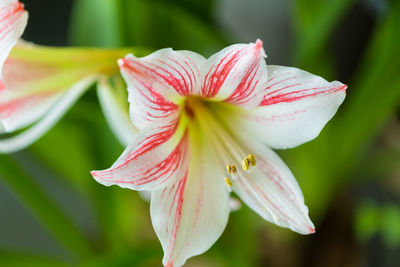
272 191
287 85
55 111
18 112
237 74
30 87
295 108
158 81
158 156
189 215
13 19
20 103
33 77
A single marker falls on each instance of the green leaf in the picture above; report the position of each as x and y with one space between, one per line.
141 256
90 146
315 22
329 161
376 90
43 207
11 259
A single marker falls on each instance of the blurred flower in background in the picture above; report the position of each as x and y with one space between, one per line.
53 214
39 84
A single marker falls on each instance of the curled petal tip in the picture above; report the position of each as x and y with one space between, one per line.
95 174
259 44
311 230
20 6
338 86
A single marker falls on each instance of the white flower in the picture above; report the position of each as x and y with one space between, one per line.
205 128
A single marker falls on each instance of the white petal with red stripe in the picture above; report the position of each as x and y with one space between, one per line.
190 215
20 103
156 83
147 105
30 88
55 109
19 112
271 190
158 156
236 74
13 19
295 108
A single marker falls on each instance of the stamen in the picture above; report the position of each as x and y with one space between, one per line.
252 159
228 181
248 161
246 164
231 169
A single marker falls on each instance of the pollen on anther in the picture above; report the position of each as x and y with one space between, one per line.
252 159
231 169
228 181
249 161
246 164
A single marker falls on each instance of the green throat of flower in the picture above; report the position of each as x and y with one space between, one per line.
206 125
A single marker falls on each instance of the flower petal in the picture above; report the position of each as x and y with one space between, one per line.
237 74
57 110
271 190
13 19
156 83
157 157
116 110
146 106
295 108
190 215
35 77
172 74
19 112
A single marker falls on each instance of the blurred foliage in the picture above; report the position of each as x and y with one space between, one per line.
121 232
372 97
149 23
374 219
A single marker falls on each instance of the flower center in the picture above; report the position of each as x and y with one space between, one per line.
227 150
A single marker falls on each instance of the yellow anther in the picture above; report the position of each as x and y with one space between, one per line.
246 164
248 161
228 181
252 159
231 169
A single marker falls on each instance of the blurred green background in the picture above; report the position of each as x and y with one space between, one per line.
52 213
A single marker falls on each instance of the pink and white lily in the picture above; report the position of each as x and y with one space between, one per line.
206 128
39 84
